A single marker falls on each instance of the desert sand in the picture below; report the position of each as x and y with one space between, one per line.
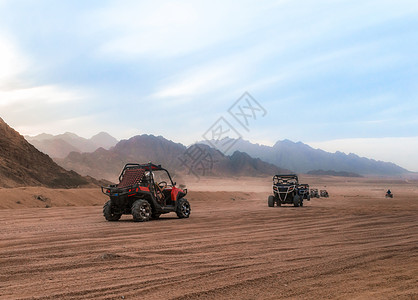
356 244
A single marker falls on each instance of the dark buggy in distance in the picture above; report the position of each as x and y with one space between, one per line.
324 193
314 193
304 191
286 191
146 191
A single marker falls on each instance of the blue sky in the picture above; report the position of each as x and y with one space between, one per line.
334 74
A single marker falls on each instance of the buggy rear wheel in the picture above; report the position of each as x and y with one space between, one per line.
271 201
183 208
108 212
141 211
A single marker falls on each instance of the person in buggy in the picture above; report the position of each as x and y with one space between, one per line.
389 194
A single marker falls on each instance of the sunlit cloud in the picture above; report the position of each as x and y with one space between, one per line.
47 94
162 28
24 102
12 62
202 80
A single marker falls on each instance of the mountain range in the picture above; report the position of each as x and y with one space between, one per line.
198 160
302 158
103 157
59 146
334 173
21 164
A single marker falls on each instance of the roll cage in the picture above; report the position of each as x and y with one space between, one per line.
136 178
147 167
285 179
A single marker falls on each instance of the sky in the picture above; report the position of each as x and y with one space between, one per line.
338 75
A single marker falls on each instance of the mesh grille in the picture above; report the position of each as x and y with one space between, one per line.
131 177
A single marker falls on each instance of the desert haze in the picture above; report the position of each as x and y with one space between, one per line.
356 244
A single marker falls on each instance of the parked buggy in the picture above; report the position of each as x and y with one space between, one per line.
314 193
286 191
146 191
324 193
304 191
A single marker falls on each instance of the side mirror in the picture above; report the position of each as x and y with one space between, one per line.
175 183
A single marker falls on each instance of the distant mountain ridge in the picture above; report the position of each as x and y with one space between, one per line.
334 173
59 146
101 155
107 164
21 164
302 158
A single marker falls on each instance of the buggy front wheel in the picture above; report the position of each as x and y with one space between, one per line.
296 201
271 201
183 208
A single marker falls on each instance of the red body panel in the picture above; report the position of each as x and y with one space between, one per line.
174 192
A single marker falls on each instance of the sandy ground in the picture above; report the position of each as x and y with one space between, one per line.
354 245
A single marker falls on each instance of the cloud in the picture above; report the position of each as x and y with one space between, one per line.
46 94
28 105
202 80
12 62
163 29
46 108
14 89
